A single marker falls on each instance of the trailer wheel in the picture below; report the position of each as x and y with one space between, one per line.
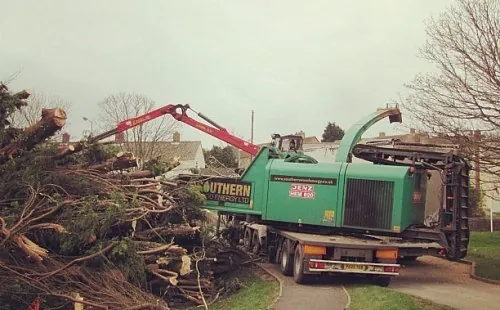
256 243
286 259
298 265
247 239
409 258
382 281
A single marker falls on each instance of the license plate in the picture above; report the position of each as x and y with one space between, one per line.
354 267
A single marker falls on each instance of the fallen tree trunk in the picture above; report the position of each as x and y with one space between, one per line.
167 232
122 161
23 94
70 149
137 174
52 120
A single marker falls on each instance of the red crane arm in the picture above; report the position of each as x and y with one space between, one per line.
215 130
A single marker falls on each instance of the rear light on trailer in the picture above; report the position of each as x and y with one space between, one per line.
316 265
387 254
314 250
391 269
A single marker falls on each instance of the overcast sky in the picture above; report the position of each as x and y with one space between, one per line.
298 64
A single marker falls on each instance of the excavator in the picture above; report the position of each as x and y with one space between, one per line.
337 217
179 113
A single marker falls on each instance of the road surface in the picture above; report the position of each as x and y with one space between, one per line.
320 294
441 281
446 283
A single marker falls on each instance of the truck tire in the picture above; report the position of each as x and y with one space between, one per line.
247 239
298 265
286 259
408 258
256 243
383 281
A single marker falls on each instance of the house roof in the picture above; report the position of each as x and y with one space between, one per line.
418 137
185 150
424 140
311 140
306 140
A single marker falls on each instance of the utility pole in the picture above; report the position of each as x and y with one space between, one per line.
251 131
91 124
251 139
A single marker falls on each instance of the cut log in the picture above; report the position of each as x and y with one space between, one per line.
23 94
120 162
52 120
167 232
70 149
136 175
63 147
146 247
31 249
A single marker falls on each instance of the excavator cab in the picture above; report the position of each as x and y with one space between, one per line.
288 143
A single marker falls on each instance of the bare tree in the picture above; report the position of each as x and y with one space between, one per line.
460 100
143 140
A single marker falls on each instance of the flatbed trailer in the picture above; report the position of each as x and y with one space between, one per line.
302 253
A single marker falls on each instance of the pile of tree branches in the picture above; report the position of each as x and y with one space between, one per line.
87 226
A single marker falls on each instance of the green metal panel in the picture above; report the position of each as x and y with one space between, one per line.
255 176
340 194
378 185
302 193
317 194
354 133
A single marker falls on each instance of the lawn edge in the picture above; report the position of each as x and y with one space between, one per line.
280 281
472 273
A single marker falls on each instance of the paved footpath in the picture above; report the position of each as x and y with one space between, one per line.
321 294
446 283
439 280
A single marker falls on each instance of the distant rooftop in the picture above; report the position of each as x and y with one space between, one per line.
185 150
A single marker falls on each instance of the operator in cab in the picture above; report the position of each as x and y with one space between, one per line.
292 146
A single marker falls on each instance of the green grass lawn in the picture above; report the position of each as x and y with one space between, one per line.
258 292
484 249
380 298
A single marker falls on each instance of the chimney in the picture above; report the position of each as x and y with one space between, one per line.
120 137
65 137
381 134
412 130
177 137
